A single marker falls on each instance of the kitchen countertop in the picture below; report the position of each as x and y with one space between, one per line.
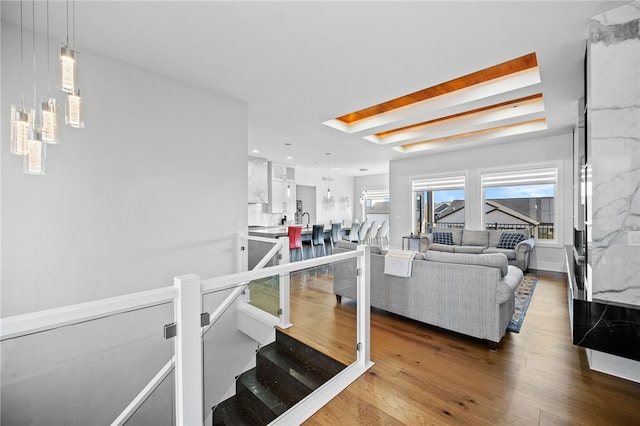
281 231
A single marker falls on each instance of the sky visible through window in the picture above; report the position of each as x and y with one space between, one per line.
523 191
502 192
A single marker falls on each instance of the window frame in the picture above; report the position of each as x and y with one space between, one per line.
441 176
557 197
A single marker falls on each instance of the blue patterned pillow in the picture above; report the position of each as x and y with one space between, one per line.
509 240
443 238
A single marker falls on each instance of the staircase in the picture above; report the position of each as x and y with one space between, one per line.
286 371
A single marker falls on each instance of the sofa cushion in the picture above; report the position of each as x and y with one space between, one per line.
475 238
509 240
443 238
469 249
510 253
493 260
494 237
455 233
441 247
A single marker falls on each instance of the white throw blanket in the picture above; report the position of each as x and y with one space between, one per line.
398 262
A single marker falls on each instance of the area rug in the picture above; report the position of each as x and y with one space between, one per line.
523 298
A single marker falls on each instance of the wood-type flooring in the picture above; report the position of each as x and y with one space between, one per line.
424 375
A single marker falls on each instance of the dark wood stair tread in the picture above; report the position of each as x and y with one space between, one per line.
286 371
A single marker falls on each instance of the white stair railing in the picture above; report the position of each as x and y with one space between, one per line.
187 293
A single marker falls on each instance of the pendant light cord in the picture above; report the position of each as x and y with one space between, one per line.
21 57
67 23
48 57
74 24
33 21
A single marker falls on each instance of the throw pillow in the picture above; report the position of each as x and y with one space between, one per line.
443 238
509 240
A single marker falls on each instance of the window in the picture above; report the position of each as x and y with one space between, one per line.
439 202
375 204
522 199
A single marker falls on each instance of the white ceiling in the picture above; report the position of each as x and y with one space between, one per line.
298 64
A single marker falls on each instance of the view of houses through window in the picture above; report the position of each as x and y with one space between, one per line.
436 198
523 199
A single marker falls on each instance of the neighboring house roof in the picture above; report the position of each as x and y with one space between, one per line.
440 208
452 207
493 210
504 209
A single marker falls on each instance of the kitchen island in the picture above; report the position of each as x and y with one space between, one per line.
282 231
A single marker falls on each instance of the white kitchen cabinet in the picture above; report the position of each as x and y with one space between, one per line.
282 189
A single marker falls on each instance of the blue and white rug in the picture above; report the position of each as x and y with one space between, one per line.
523 298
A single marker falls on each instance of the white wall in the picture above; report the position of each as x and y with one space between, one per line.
142 194
341 186
131 200
547 256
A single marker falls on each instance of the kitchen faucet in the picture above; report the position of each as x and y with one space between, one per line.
308 218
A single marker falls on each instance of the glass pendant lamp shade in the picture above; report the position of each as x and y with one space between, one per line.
34 161
21 123
73 115
49 120
67 69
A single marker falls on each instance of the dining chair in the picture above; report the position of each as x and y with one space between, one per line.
335 233
295 234
353 233
317 239
382 236
363 231
371 232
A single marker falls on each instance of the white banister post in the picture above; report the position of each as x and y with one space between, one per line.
364 306
285 288
188 351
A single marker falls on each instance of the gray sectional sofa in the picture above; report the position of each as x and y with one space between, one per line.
476 242
465 293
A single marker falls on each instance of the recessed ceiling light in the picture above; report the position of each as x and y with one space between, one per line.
255 151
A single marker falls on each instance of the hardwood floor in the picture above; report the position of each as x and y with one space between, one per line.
426 376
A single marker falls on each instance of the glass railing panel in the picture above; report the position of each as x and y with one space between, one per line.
85 373
229 346
319 320
264 294
159 408
257 251
253 372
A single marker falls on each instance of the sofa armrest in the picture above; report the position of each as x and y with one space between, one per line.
425 242
523 251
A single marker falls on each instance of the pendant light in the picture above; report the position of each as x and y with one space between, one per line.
73 104
48 106
34 160
73 115
21 117
67 66
328 154
289 157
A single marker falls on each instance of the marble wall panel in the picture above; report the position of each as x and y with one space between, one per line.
614 130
